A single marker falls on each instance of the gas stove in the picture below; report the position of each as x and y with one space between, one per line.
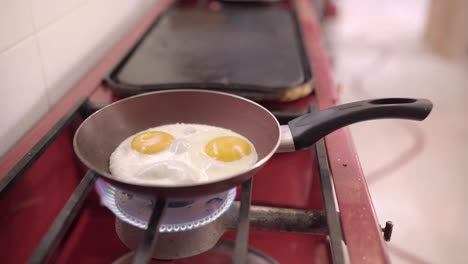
302 207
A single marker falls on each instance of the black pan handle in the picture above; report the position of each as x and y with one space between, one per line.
309 128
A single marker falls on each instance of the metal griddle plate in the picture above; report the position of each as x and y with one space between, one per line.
241 47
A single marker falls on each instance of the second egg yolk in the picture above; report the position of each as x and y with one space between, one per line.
152 142
228 148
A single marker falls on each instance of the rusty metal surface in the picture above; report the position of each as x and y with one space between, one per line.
280 219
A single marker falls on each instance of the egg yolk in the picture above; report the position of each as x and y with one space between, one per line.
227 148
152 142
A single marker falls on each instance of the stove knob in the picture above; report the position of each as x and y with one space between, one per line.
387 230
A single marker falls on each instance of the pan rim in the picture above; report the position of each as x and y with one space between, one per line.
109 176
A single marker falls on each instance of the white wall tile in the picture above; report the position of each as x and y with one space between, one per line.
15 22
23 101
47 11
66 38
74 43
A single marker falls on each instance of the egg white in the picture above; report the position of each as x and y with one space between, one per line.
183 162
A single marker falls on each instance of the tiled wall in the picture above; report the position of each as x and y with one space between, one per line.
46 46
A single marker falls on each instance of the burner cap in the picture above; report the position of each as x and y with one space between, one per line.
182 213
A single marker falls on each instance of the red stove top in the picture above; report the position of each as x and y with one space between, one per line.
287 180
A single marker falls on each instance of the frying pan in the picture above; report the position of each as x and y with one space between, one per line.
99 135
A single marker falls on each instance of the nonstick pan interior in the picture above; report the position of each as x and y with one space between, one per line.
102 132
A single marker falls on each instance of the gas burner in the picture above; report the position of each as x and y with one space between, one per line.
181 215
221 253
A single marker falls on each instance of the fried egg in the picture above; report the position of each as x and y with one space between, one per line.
182 154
